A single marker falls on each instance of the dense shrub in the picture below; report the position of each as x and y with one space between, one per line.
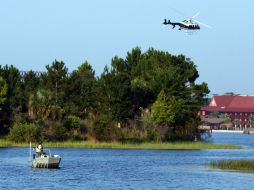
104 129
149 127
131 135
25 132
153 135
78 137
183 133
72 123
59 132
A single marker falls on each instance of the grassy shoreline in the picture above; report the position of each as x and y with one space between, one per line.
117 145
236 165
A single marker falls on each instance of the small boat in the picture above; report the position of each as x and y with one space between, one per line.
44 160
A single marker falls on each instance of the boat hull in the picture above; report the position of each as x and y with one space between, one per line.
46 161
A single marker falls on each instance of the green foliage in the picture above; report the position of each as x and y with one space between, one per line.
55 80
25 132
131 135
71 123
167 110
29 86
42 106
149 127
31 82
227 119
176 115
113 90
152 80
41 103
104 129
12 104
3 91
59 132
188 132
80 99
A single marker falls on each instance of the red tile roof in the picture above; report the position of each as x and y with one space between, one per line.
230 104
221 101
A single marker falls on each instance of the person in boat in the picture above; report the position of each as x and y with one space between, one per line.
39 150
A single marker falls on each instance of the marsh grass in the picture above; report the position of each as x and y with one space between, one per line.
117 145
239 165
7 143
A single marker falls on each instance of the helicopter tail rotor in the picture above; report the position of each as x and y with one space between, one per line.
166 22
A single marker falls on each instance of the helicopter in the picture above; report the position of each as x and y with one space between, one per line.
187 24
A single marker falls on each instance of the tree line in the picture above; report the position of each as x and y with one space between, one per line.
146 96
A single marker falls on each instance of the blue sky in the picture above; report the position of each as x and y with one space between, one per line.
35 33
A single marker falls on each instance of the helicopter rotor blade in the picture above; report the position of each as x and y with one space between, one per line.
203 24
177 11
194 16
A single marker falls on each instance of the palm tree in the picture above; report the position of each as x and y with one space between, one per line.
43 106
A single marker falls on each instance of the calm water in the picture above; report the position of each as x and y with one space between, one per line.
130 169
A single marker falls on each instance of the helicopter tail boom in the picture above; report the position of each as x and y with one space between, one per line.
174 24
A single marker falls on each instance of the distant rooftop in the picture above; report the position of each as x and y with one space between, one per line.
229 103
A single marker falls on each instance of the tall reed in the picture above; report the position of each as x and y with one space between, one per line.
240 165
